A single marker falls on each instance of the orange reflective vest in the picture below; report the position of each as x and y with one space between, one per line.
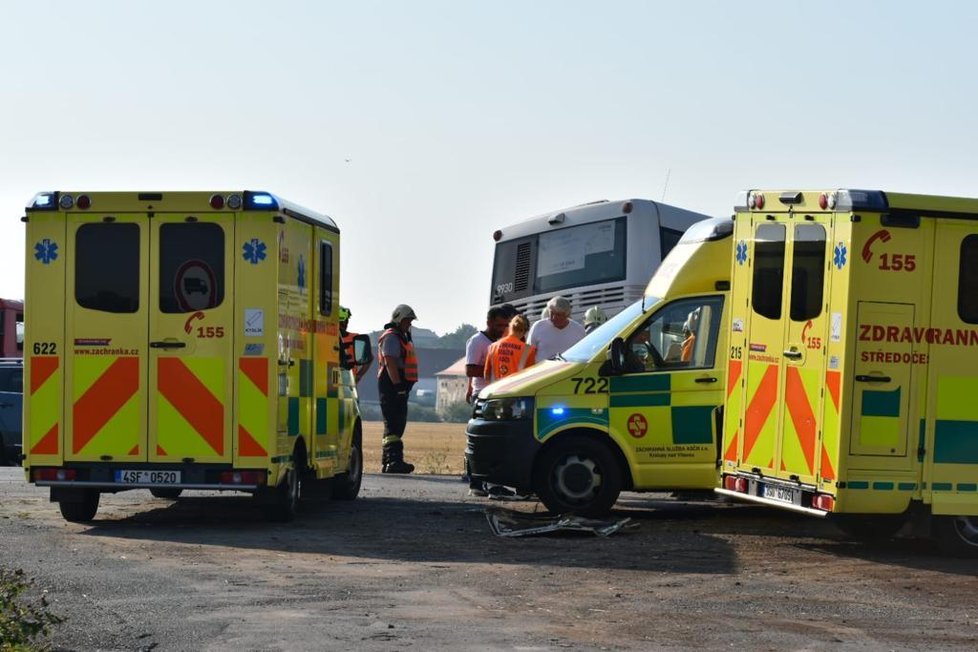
507 356
410 370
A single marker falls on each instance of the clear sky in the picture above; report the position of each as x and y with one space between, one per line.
462 117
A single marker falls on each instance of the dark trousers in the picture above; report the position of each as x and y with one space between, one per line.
394 407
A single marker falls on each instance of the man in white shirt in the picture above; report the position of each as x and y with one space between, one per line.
555 335
477 348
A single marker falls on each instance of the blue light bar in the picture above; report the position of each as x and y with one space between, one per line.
557 411
44 201
260 201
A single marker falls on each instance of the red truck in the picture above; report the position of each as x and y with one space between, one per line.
11 328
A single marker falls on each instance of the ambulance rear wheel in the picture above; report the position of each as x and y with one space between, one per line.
81 510
347 485
284 501
578 476
869 527
957 535
170 494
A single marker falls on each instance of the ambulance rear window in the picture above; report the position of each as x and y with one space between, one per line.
107 267
768 270
191 266
968 281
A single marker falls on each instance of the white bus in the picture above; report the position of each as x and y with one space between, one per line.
598 254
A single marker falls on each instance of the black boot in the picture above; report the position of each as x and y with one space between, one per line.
394 459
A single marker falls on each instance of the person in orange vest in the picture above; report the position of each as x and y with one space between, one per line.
396 376
511 353
359 371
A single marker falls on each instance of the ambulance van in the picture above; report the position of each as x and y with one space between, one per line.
634 405
853 360
185 340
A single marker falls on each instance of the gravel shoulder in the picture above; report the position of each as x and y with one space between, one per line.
412 563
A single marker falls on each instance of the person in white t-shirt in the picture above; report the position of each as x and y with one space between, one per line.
476 352
555 335
477 348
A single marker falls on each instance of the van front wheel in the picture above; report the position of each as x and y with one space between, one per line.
957 535
579 476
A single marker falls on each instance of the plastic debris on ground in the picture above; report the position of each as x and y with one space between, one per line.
508 523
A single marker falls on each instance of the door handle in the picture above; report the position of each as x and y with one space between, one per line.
707 379
167 344
794 355
873 379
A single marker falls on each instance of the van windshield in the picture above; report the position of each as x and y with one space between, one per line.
599 338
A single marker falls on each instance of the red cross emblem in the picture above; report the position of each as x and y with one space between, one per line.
637 426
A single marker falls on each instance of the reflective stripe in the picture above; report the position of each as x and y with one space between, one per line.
45 383
190 414
103 405
253 407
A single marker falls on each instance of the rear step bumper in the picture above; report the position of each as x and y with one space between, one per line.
771 503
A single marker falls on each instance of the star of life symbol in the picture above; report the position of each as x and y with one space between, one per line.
637 426
46 251
254 251
741 252
840 255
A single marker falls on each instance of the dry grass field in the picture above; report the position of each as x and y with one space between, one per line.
436 448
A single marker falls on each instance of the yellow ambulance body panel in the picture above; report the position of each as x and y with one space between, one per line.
629 406
184 340
853 360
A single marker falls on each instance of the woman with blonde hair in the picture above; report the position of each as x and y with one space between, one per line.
511 353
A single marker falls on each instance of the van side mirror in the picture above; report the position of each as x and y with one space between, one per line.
362 354
615 364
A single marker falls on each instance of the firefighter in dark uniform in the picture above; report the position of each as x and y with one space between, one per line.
396 375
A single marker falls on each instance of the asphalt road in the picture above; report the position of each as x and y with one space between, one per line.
413 564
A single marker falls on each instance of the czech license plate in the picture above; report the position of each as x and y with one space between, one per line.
147 477
779 493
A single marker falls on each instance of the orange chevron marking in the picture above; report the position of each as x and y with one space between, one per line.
760 407
193 401
733 374
801 413
833 380
48 445
135 450
103 399
42 366
256 369
731 454
828 473
160 451
248 446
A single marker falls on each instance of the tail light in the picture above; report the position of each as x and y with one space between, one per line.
824 502
54 475
734 483
243 477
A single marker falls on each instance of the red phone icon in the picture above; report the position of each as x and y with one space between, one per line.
882 236
190 320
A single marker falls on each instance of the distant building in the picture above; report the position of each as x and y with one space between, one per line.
451 385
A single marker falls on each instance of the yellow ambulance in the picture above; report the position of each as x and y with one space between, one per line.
185 340
632 406
853 360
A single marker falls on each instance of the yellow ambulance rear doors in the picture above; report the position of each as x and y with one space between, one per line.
784 254
148 321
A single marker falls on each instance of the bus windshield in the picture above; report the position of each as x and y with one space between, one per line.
598 339
556 260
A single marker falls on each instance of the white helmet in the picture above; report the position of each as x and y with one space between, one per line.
403 311
595 316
